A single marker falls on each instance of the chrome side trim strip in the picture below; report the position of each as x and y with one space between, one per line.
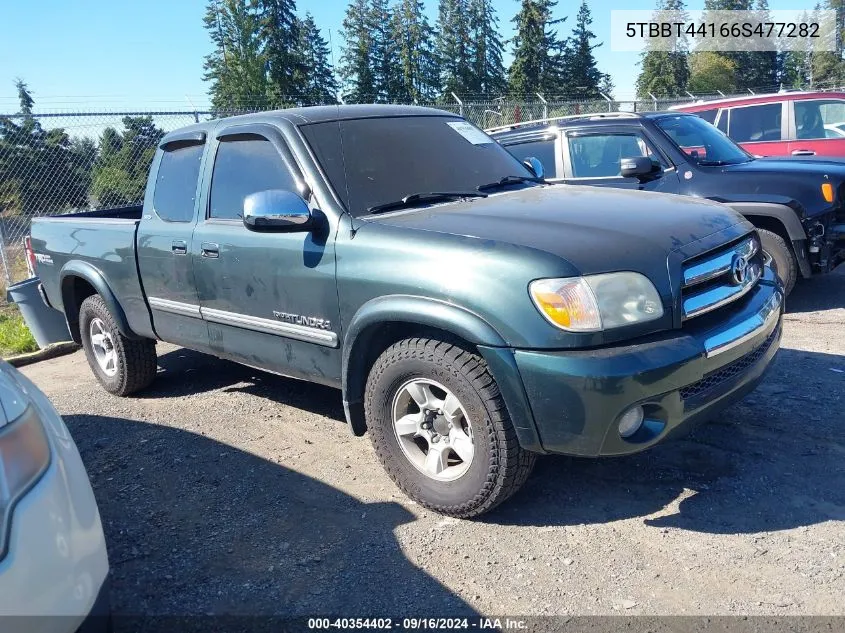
759 323
720 264
175 307
269 326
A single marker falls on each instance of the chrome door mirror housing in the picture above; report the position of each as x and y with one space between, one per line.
535 166
276 210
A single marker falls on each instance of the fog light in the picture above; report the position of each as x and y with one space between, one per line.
631 421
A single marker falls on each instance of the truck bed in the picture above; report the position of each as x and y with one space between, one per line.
102 242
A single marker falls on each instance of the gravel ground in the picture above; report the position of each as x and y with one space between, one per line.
227 490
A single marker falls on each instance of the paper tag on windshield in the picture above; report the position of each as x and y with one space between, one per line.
470 133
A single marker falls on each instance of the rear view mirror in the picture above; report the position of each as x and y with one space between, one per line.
276 210
535 166
636 167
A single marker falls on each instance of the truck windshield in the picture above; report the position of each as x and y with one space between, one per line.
702 142
388 159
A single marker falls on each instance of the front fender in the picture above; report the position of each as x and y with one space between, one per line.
77 269
786 215
405 310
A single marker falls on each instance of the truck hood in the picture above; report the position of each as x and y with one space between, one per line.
595 229
789 165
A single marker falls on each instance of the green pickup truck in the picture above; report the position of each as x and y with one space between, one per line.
472 315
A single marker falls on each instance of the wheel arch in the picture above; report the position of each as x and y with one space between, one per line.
780 219
79 280
385 320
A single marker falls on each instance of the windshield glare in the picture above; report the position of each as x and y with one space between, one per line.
701 141
388 158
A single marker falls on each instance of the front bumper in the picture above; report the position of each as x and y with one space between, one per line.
576 398
55 571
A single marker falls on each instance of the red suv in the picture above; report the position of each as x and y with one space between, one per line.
781 124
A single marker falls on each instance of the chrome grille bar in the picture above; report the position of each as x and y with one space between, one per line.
720 264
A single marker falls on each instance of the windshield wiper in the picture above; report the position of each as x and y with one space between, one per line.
422 198
509 180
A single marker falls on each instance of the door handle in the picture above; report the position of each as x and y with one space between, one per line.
803 152
209 249
179 247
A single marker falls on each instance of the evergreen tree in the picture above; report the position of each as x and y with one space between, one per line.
828 68
537 52
356 68
581 76
280 41
236 66
41 172
741 60
320 84
454 48
414 41
796 66
123 161
387 76
665 73
761 72
488 70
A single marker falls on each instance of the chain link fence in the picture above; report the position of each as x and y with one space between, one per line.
59 162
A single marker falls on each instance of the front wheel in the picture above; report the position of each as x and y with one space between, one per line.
122 365
441 429
783 260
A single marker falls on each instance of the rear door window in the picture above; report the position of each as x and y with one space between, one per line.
819 118
176 183
243 167
753 124
541 149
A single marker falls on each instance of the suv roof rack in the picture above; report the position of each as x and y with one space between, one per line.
569 117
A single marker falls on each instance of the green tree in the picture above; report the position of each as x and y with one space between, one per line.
488 70
417 62
828 67
665 73
236 67
387 75
41 171
761 72
320 83
356 67
454 48
537 51
123 161
581 75
711 72
796 66
280 42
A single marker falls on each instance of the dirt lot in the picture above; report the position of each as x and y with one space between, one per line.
226 490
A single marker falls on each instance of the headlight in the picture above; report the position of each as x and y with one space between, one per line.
597 302
24 451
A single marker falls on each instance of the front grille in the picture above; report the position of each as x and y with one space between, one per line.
693 393
720 277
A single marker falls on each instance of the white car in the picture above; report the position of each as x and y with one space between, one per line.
53 559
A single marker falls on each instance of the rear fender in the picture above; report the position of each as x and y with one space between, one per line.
83 270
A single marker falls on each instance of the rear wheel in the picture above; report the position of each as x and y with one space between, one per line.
783 259
441 429
122 365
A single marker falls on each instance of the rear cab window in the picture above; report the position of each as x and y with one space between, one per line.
176 183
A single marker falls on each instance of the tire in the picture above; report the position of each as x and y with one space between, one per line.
133 365
783 259
463 488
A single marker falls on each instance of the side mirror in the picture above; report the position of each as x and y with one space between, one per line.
636 167
535 166
276 210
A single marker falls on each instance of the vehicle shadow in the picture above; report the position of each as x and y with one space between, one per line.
771 462
822 292
196 527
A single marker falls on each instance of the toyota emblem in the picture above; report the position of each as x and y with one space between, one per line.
739 270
